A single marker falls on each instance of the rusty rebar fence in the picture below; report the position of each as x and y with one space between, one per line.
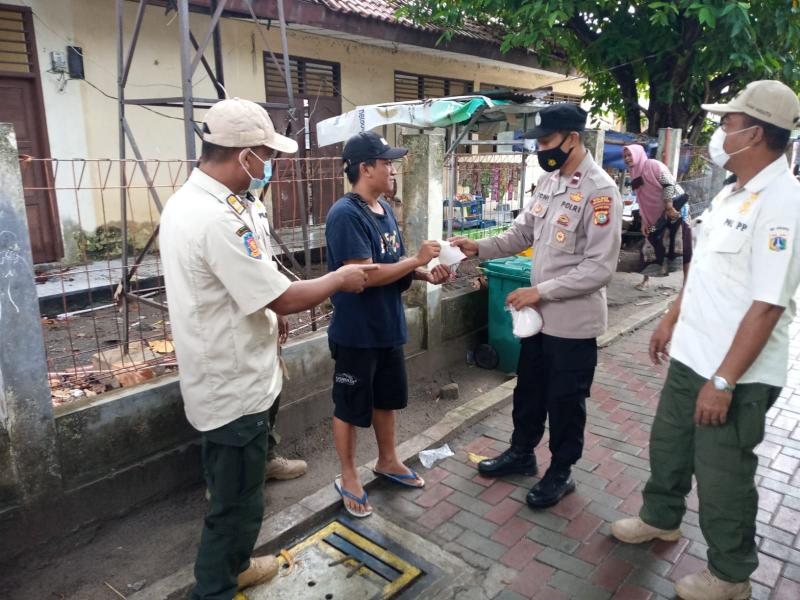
82 318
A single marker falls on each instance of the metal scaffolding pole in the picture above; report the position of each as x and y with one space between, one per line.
186 80
192 54
123 68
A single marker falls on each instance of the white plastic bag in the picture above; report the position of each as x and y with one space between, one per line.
526 322
450 255
429 457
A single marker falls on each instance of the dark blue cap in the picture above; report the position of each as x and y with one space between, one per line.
368 145
557 117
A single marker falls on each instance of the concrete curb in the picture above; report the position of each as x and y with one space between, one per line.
278 530
634 322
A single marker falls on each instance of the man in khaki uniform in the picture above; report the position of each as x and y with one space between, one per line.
224 294
574 224
729 351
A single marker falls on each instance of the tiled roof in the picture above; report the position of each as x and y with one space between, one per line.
384 10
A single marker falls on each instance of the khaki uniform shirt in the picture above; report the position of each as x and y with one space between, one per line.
219 280
575 227
746 251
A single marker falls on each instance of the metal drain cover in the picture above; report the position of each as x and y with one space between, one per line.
341 561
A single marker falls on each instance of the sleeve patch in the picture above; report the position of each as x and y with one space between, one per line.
250 245
778 238
601 206
242 230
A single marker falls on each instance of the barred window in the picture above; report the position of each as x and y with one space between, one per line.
409 86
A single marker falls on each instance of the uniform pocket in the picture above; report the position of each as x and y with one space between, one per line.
731 242
750 420
563 226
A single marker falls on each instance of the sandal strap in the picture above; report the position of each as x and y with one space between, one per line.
343 492
412 475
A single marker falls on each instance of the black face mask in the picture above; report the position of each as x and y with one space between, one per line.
553 159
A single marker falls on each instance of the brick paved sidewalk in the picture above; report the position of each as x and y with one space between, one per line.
566 552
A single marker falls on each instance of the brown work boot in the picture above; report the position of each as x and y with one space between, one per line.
635 531
261 570
283 468
707 586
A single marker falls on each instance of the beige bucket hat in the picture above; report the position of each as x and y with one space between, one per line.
767 100
238 123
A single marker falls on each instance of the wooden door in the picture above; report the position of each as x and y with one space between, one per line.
316 84
21 104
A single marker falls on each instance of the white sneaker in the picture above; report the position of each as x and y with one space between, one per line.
636 531
707 586
282 468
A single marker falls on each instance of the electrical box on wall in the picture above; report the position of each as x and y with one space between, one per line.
58 62
75 62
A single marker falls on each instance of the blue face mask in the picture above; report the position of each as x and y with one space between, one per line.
257 184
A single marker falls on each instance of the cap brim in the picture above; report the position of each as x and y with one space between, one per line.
720 109
281 143
393 153
538 132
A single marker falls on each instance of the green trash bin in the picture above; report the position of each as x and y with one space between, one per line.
504 276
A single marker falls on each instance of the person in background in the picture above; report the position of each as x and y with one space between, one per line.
663 212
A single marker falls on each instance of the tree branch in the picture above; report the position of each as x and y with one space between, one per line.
583 32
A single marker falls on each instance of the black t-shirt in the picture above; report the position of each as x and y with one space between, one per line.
374 318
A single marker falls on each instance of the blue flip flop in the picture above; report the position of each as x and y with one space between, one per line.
345 494
403 478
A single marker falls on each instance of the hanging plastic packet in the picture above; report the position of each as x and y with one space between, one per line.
526 322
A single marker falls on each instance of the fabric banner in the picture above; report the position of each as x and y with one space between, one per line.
427 114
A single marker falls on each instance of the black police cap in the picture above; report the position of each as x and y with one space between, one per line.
557 117
368 145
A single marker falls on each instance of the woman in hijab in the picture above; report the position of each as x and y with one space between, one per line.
662 204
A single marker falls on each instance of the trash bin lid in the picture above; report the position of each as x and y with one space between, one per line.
516 267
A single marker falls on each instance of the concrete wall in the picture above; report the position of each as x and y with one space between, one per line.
82 118
130 447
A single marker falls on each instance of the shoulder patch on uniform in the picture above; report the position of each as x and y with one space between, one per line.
250 245
601 206
778 238
745 207
242 230
235 204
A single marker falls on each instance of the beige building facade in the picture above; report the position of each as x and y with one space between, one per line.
80 116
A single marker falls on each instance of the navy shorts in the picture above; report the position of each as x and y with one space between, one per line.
367 378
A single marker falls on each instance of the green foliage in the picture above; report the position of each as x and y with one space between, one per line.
106 241
678 53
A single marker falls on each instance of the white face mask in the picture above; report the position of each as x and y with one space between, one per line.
716 146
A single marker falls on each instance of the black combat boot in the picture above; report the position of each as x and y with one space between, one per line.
508 463
555 484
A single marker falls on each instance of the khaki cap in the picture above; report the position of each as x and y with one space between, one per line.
238 123
767 100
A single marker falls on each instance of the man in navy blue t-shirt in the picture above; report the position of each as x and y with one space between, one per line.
368 330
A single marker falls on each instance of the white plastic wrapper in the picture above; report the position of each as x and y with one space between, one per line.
450 255
526 322
429 457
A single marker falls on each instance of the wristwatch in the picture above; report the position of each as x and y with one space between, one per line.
721 384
